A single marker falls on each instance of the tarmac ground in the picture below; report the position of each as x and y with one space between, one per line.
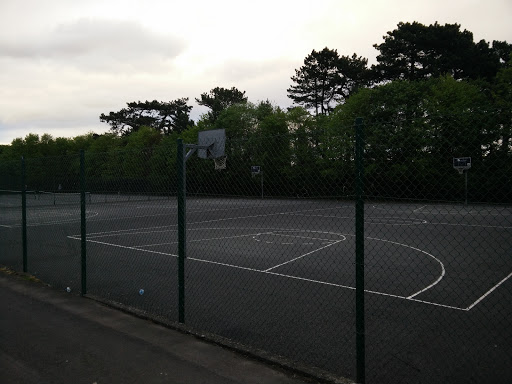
49 336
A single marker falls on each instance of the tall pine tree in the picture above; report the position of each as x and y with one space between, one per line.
326 79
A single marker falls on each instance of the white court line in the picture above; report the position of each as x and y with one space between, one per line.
126 247
156 244
443 271
199 240
6 226
129 217
367 291
161 214
301 256
130 231
330 284
409 298
471 225
92 214
489 291
454 210
436 304
294 213
368 220
283 233
419 209
225 264
210 210
457 213
277 233
66 221
406 221
291 276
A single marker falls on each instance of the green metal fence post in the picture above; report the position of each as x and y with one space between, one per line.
360 325
83 233
181 229
24 214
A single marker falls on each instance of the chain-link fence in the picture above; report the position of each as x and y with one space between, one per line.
383 265
11 240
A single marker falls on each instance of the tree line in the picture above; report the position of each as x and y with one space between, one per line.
434 94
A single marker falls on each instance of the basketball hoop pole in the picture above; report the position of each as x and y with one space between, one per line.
256 170
463 165
465 172
209 143
261 176
466 187
181 164
193 148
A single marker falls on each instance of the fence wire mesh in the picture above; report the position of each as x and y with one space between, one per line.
53 217
437 251
11 244
271 243
265 254
131 245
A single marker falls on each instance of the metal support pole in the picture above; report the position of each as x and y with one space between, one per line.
360 324
182 230
261 175
83 231
24 214
466 187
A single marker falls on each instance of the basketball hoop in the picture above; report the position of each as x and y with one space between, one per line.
461 164
220 162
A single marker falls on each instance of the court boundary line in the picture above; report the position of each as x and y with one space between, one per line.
304 255
443 270
294 213
489 291
286 276
67 221
470 225
208 239
269 271
456 209
413 221
109 233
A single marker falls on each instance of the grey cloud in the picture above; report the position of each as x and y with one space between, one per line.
244 70
96 44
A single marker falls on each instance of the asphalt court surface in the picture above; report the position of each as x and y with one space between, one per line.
408 249
442 255
438 258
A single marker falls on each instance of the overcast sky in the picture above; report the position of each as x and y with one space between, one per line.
64 62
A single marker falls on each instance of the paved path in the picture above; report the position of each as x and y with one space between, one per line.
47 336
